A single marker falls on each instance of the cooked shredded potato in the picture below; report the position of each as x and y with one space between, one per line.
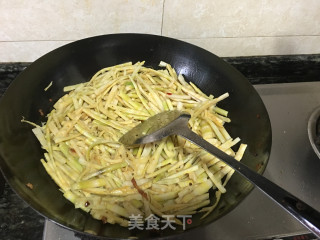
101 176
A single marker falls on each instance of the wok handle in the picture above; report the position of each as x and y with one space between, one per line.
304 213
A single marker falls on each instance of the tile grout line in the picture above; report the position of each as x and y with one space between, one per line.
162 17
240 37
191 38
33 40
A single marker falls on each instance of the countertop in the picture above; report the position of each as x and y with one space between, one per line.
18 221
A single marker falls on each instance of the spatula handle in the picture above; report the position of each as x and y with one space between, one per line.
304 213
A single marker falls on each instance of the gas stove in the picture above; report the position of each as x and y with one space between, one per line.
292 165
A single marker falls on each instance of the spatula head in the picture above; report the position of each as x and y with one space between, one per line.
153 129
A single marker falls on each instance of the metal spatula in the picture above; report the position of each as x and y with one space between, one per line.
176 123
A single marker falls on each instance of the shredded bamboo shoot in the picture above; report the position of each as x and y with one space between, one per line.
111 181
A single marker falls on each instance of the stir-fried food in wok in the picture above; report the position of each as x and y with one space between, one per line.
112 181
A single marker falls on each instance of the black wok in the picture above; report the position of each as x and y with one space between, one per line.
77 62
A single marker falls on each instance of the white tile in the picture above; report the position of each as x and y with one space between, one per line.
75 19
253 46
229 18
27 51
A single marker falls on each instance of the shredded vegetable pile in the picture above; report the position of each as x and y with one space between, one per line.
111 181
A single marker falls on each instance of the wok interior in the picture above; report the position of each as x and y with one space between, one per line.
77 62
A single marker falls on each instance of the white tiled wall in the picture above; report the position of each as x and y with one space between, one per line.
29 29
